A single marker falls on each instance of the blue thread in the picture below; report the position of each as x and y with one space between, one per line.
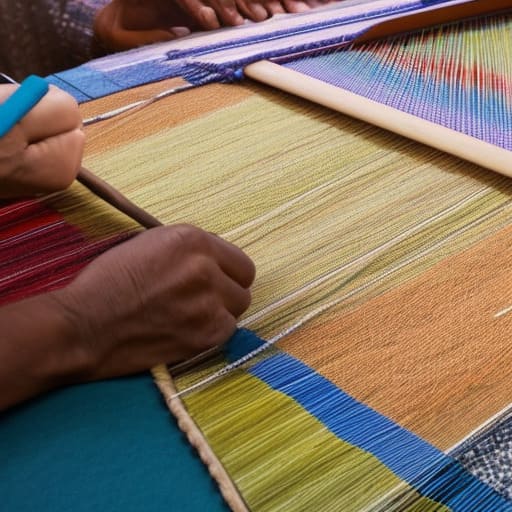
424 467
21 102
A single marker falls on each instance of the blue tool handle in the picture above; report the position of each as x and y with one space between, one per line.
21 102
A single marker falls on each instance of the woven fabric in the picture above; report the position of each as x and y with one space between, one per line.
45 36
221 55
356 235
382 300
46 242
432 75
489 456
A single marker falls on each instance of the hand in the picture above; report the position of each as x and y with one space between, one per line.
42 153
213 14
161 297
125 24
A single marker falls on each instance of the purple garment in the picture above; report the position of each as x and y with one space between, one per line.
43 36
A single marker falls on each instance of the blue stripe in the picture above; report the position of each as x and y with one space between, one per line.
431 472
89 82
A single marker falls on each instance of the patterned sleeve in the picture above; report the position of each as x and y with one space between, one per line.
44 36
76 26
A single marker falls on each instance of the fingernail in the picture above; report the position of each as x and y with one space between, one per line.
259 12
179 31
301 7
234 16
209 18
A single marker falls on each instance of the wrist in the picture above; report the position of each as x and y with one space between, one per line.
40 349
71 361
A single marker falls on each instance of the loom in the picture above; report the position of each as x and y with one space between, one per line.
375 355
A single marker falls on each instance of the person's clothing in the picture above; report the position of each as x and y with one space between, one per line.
44 36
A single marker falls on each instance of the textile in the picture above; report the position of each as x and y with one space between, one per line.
106 446
221 55
44 36
318 203
381 300
452 73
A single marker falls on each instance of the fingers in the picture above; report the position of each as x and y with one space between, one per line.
182 291
253 10
274 7
51 164
212 14
236 299
44 150
296 6
227 12
234 262
6 90
111 29
55 114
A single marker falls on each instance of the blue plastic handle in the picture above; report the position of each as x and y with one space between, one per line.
21 102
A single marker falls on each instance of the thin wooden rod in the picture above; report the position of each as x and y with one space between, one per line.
113 197
437 136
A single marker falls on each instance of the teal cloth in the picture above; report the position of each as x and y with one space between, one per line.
106 446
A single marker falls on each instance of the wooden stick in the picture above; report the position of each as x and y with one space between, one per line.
437 136
113 197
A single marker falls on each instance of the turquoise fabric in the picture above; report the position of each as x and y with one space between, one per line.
107 446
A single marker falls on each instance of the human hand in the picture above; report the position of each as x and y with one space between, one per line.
213 14
161 297
42 153
125 24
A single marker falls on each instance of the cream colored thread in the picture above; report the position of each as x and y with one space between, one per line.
137 104
503 312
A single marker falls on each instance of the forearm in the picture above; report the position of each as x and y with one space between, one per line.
38 349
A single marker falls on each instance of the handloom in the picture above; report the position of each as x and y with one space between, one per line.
384 276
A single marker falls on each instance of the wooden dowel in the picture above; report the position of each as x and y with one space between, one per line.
113 197
437 136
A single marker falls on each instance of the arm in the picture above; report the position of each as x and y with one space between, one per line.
159 298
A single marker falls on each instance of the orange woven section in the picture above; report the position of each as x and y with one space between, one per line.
434 354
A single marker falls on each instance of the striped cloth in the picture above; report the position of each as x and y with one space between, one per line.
381 267
384 273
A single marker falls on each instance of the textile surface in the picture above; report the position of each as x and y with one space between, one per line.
452 73
108 446
221 55
388 264
365 315
489 456
382 300
45 36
